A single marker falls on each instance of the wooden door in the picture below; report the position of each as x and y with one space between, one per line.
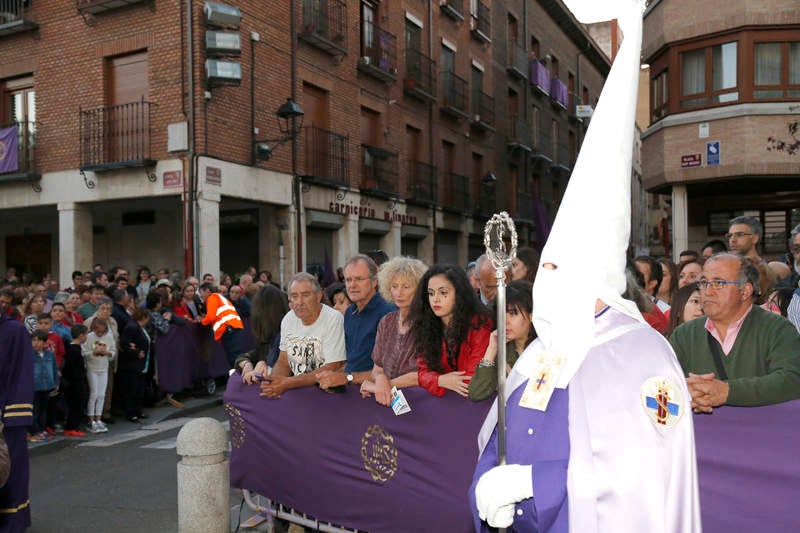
29 253
317 143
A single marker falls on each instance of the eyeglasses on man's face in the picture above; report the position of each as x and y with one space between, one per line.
737 234
355 279
716 284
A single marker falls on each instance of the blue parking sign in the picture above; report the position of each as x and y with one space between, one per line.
712 153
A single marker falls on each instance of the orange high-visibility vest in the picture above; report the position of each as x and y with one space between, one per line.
220 312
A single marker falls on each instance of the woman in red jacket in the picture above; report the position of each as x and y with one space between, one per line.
452 328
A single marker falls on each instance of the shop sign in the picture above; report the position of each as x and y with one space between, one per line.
691 160
172 179
214 175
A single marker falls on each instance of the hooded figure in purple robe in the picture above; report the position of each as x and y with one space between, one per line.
599 426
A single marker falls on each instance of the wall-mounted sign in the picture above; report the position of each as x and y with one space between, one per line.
703 130
583 111
712 153
214 175
691 160
172 179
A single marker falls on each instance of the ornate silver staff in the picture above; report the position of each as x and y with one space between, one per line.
493 234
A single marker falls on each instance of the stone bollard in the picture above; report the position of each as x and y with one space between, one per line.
203 478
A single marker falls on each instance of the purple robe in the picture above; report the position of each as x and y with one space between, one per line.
626 472
16 402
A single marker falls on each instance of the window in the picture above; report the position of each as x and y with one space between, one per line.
776 70
535 128
553 67
554 127
709 75
659 95
19 108
534 47
367 25
413 36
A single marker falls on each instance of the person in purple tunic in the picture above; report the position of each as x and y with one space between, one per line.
16 410
598 421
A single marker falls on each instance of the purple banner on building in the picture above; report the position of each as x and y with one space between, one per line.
9 152
349 461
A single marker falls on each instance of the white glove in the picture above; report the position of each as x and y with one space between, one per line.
499 489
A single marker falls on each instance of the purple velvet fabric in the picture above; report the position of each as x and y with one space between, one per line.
305 451
188 352
748 468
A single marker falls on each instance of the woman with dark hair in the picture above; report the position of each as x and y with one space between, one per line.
685 306
336 294
452 329
143 284
268 308
689 272
669 280
519 334
525 264
134 363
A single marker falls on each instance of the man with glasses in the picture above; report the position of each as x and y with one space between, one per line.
739 354
360 322
744 234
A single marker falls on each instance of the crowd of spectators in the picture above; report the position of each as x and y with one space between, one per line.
380 325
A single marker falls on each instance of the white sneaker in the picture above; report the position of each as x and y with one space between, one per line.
101 427
93 428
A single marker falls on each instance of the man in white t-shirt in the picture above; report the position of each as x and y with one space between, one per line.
312 339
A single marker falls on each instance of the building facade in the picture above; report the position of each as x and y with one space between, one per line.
724 107
146 132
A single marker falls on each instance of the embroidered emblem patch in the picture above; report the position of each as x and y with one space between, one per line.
379 453
542 382
662 401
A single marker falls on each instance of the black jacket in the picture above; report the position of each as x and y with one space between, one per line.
129 360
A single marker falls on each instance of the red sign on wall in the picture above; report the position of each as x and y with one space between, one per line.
691 160
173 178
214 175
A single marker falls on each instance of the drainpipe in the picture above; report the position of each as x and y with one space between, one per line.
190 192
298 199
430 129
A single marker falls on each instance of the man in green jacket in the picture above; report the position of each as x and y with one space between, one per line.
739 354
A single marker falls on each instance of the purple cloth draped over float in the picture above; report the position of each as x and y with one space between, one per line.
188 352
748 468
351 462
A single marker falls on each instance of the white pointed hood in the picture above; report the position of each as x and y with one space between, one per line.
591 230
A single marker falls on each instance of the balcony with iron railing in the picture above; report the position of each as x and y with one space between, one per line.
519 133
325 25
542 148
456 193
453 8
482 111
558 92
15 17
486 206
380 173
114 137
540 77
378 53
325 154
480 23
562 158
454 95
18 151
524 208
95 7
421 183
420 77
518 63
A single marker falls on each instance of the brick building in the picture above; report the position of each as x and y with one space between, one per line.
147 131
724 92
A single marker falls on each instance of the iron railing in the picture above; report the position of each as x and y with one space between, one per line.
95 7
453 8
421 182
380 170
543 143
326 154
454 92
482 108
379 49
487 204
15 17
420 74
117 135
456 194
540 76
519 132
325 25
480 22
558 92
26 144
517 61
524 205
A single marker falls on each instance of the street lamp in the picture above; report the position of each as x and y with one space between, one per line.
289 126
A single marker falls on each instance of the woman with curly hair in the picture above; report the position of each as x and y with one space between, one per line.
452 329
394 355
519 334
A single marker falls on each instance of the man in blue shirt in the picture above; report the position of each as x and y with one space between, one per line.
360 322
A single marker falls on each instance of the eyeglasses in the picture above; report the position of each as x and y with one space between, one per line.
795 248
738 235
350 281
716 284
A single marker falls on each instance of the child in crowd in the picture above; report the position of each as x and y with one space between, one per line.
98 350
54 342
74 381
45 380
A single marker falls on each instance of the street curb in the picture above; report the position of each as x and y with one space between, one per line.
195 408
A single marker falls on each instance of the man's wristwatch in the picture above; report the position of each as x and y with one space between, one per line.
349 378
